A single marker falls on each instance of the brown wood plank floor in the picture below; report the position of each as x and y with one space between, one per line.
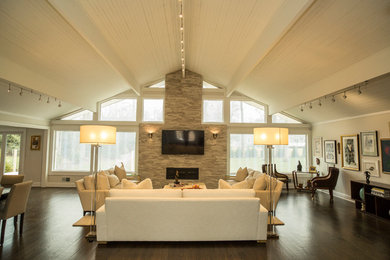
313 230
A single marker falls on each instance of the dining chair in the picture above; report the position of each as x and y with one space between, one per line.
15 204
8 180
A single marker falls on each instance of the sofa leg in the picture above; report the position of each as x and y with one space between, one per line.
261 241
84 212
313 191
102 242
287 185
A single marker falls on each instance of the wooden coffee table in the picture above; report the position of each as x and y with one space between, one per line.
185 186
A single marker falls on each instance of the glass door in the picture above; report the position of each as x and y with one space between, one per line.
10 152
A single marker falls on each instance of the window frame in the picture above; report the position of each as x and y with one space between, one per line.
121 97
213 98
300 121
241 98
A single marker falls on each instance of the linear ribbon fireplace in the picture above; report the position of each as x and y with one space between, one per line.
184 173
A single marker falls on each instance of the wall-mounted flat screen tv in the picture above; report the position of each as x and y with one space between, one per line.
182 142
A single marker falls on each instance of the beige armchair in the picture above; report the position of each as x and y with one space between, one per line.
15 204
86 196
8 180
264 195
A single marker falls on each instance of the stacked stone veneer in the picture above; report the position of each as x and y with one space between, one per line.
183 111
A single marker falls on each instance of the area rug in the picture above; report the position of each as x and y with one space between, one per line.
85 221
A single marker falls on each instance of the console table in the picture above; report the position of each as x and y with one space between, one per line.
373 204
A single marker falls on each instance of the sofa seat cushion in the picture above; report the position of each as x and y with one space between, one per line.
172 193
218 193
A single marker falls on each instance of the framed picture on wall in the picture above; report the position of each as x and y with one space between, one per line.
385 154
317 146
35 142
350 152
330 151
369 143
371 166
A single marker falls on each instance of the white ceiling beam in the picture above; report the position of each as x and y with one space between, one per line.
73 12
368 68
283 19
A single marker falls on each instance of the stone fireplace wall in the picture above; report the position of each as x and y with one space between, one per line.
183 111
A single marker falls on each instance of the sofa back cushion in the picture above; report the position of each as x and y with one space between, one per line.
179 219
241 174
218 193
171 193
260 182
113 179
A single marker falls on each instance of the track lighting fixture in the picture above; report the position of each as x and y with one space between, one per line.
40 97
345 96
359 91
9 87
21 92
333 99
301 108
59 104
48 100
319 102
310 106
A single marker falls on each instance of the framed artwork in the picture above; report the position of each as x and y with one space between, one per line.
312 169
385 154
369 143
35 142
317 146
372 166
330 151
350 152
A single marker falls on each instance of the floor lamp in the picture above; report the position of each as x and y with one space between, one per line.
270 136
96 135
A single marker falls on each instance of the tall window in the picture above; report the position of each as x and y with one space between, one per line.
243 153
83 115
213 111
153 110
286 157
69 154
246 112
119 110
280 118
122 151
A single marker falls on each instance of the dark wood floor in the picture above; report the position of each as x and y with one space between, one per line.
313 230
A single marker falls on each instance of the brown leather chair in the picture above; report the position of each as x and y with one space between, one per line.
274 173
15 204
327 182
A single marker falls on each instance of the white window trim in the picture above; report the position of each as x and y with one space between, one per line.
243 98
22 132
289 116
121 96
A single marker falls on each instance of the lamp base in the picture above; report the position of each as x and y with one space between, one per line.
272 235
91 236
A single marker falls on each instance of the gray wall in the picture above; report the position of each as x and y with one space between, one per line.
333 131
183 110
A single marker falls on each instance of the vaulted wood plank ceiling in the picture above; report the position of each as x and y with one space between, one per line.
282 53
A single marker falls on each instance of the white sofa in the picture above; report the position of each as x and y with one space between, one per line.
175 215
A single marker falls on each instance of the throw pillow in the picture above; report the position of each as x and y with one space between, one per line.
251 181
113 179
120 172
102 182
241 174
126 184
89 182
145 184
241 185
260 183
222 184
257 174
102 173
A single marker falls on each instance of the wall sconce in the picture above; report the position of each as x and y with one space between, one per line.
215 135
150 135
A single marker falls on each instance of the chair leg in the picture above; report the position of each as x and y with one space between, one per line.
16 221
331 195
287 185
313 191
84 212
4 221
21 223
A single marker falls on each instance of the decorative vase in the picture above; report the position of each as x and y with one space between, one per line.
361 194
299 166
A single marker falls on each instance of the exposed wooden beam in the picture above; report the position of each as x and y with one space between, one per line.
283 19
73 12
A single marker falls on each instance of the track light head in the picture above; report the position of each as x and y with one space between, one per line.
59 104
21 92
40 98
333 99
310 106
345 96
301 108
319 102
359 91
48 100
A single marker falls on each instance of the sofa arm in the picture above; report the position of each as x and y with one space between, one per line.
264 196
86 197
101 224
262 224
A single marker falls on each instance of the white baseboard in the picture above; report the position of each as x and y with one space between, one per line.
339 195
36 184
60 184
